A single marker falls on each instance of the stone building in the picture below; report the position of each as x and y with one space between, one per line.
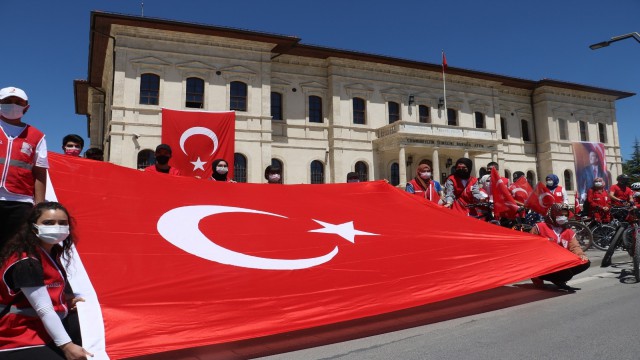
321 112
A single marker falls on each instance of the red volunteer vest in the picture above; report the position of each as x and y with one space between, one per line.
429 194
21 327
462 193
16 166
562 239
557 194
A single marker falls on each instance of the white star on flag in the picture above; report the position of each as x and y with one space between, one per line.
198 164
344 230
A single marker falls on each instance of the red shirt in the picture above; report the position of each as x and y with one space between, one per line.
172 170
623 195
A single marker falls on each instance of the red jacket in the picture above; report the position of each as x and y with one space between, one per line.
599 199
462 193
20 154
22 327
563 239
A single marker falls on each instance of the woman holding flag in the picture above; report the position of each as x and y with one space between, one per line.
459 189
34 293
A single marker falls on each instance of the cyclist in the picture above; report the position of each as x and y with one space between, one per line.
599 202
636 195
555 229
621 194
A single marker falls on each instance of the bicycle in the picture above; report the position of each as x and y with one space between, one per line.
627 236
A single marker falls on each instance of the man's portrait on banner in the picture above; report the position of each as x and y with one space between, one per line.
590 163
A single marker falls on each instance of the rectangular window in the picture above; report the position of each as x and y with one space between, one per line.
503 128
315 109
195 93
238 98
479 120
423 114
452 117
359 111
583 130
394 111
602 133
149 89
564 130
276 106
525 130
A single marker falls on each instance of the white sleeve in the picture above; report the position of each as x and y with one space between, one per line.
38 297
41 154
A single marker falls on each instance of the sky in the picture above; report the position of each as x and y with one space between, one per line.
534 40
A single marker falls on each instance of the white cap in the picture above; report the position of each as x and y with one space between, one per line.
13 91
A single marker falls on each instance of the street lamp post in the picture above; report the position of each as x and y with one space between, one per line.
602 44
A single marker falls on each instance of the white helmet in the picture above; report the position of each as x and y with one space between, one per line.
635 186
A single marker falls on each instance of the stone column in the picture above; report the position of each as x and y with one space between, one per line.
402 165
435 172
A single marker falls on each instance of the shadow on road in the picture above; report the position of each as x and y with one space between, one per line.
477 303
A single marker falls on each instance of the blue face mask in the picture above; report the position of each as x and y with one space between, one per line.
11 111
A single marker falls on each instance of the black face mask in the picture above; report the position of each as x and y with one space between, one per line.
462 173
162 159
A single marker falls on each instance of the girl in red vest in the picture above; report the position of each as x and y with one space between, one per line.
599 201
459 190
34 294
558 193
555 229
423 185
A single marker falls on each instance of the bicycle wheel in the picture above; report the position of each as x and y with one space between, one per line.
615 242
602 235
583 234
636 253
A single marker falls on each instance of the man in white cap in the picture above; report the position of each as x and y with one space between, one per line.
23 162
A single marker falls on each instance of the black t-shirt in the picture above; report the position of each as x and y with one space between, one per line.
25 273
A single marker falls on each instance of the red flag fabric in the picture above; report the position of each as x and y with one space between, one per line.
503 203
520 189
176 262
197 138
576 204
444 62
540 199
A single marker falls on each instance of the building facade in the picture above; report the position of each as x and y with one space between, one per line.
321 113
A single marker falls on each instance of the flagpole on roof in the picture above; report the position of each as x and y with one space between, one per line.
444 86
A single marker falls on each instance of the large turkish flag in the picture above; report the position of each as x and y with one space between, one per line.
177 262
197 138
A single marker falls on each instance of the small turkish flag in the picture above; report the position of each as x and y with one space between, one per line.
540 199
503 203
444 62
178 262
197 138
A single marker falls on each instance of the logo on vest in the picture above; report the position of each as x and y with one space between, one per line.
26 149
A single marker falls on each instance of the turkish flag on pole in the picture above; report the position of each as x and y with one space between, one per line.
503 203
540 199
520 190
175 262
444 62
197 138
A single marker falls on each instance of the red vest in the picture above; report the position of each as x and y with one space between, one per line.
462 193
172 170
597 200
16 166
429 194
557 194
620 194
563 239
22 327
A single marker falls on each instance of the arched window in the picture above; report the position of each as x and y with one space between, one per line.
452 117
195 93
146 157
525 130
277 163
531 178
362 170
423 114
317 172
239 168
395 174
568 180
149 89
479 120
276 106
394 111
507 174
238 98
315 109
359 111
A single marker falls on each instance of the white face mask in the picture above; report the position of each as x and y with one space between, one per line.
597 184
222 170
425 175
561 220
549 183
274 177
52 234
11 111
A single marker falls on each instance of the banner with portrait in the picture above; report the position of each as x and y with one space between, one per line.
590 163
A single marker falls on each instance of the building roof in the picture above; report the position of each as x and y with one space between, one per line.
101 23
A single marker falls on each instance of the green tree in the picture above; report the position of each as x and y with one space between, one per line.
632 166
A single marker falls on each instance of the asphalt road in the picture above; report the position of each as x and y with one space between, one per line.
600 321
